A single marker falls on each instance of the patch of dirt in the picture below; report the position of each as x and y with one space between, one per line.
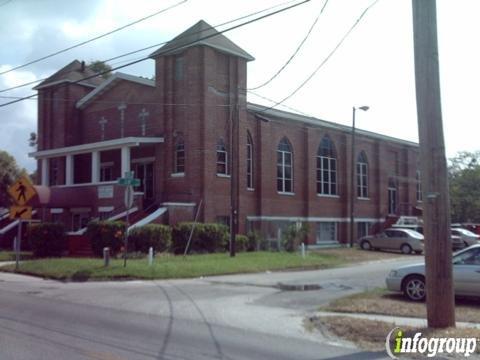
382 302
354 255
371 334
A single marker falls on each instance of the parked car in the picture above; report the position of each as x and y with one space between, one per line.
467 237
457 242
410 279
405 240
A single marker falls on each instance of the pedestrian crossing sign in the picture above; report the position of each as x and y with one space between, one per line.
22 191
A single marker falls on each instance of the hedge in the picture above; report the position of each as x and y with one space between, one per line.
47 239
241 243
105 234
152 235
206 238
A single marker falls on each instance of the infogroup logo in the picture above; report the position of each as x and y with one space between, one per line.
397 343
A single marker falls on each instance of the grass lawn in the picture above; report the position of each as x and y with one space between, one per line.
371 334
10 255
383 302
169 266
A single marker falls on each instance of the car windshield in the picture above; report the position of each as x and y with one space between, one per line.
469 257
414 234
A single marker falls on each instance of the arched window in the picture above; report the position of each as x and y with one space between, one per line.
284 167
419 187
179 156
249 161
326 167
392 196
222 158
362 175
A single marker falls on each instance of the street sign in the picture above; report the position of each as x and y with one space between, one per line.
128 198
21 212
22 191
128 180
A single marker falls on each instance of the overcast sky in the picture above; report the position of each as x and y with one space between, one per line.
373 67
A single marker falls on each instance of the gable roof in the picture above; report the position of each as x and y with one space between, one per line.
267 114
108 84
201 34
73 72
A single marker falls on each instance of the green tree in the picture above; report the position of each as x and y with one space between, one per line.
9 172
100 66
33 139
464 178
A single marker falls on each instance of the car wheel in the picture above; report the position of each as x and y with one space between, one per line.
365 245
406 249
414 288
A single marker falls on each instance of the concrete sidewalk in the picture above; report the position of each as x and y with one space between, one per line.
397 320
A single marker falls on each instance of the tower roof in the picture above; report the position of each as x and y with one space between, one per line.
201 34
73 72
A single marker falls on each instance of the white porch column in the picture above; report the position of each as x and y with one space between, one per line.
45 172
95 166
125 160
69 170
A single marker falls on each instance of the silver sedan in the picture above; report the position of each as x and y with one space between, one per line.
468 238
410 279
405 240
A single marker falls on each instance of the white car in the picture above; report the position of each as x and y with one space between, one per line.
468 238
410 279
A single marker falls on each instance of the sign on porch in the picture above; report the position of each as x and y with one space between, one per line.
129 181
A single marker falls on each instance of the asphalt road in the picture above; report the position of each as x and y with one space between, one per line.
230 317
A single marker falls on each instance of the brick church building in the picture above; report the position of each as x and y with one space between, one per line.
177 134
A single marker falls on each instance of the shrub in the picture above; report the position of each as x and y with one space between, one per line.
212 238
206 238
152 235
292 237
255 241
241 243
47 239
105 234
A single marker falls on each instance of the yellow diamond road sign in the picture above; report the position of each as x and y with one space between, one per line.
21 212
22 191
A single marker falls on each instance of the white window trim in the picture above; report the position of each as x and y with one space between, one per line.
330 171
328 196
220 175
249 161
285 193
177 175
227 173
363 171
335 232
283 178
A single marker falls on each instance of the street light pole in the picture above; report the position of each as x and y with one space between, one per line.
352 175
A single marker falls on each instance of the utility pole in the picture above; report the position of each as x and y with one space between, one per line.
436 209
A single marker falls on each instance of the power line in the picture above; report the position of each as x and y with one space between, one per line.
93 39
295 52
325 60
5 3
163 43
179 47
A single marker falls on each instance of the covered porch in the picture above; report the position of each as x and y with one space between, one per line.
94 163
